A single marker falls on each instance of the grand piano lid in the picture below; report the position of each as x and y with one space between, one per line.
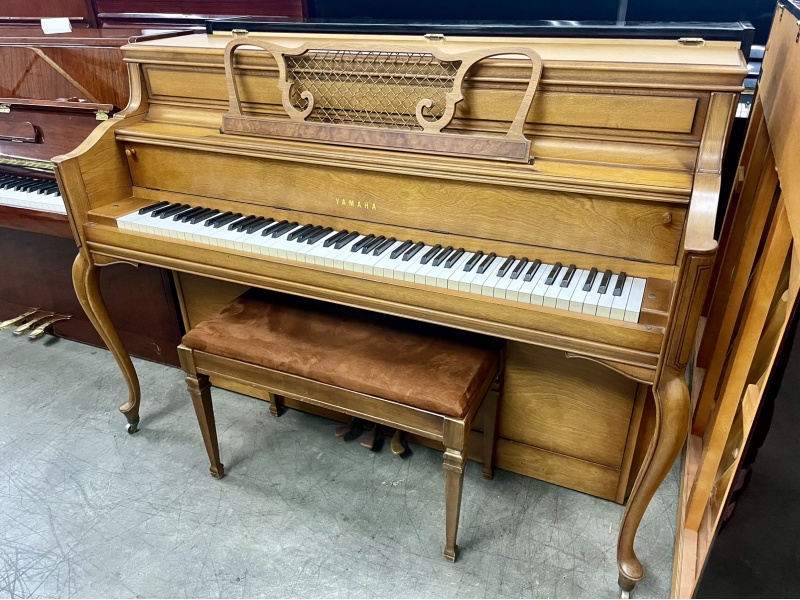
741 31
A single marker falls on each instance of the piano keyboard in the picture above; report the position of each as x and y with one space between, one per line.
36 194
528 281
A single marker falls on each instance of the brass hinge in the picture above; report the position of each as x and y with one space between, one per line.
101 115
692 41
434 37
239 32
5 108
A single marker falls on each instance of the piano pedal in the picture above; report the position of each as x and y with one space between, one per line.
350 431
372 439
34 321
399 444
18 318
39 331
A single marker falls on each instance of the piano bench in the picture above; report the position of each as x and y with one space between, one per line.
418 378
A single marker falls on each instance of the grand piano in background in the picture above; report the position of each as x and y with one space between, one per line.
610 160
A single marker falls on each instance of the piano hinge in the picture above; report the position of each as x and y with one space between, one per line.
438 231
239 32
5 108
782 7
434 37
692 41
101 115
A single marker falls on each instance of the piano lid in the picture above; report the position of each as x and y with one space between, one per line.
741 31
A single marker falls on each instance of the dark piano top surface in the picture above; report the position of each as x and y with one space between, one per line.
741 31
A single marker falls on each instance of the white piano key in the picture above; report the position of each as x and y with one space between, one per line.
592 297
565 295
480 278
634 307
576 300
444 278
607 299
526 291
620 302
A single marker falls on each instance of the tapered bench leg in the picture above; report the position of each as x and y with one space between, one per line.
200 390
275 404
454 463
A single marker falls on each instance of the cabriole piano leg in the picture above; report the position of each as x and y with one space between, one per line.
672 423
86 279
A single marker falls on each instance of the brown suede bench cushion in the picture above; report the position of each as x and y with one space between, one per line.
416 364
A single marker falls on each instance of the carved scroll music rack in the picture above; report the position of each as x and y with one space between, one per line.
400 97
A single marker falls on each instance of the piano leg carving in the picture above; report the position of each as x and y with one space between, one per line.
672 423
86 279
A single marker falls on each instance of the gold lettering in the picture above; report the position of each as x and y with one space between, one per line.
352 203
374 207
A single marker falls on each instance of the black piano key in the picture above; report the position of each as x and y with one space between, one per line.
486 262
367 248
39 185
225 220
174 210
620 283
203 215
298 232
314 238
181 213
257 226
454 258
216 218
384 246
473 261
346 240
362 242
519 268
428 256
303 237
241 223
413 251
158 211
284 229
568 276
442 256
532 270
604 282
400 249
501 272
271 229
590 280
551 276
335 238
187 214
152 207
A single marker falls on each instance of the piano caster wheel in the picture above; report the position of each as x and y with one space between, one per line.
132 428
624 594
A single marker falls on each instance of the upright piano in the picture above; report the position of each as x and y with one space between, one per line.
557 192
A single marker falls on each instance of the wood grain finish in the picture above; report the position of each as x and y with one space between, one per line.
636 181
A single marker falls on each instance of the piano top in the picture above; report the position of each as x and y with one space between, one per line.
666 53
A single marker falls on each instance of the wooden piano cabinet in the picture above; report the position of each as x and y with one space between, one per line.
568 421
36 269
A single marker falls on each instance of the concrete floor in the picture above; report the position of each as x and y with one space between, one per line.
89 511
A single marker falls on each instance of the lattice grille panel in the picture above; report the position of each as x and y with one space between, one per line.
376 89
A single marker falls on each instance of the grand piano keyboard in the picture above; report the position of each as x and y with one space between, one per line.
35 194
529 281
